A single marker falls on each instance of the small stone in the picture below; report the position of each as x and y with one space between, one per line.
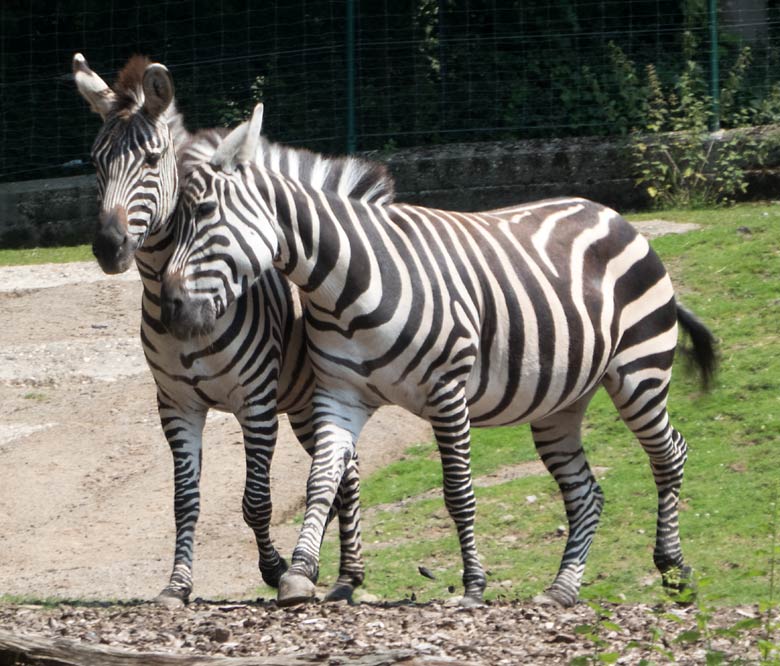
221 635
425 571
531 499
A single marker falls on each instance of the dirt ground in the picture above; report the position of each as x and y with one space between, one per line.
86 511
85 474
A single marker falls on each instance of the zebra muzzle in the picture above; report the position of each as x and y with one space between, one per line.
113 248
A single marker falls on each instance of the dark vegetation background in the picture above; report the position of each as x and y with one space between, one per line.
423 71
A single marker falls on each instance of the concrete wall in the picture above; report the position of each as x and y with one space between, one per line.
476 176
55 211
481 176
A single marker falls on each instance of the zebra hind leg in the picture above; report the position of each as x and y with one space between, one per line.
184 435
559 444
640 397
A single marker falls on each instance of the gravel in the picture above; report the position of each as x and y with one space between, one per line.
505 632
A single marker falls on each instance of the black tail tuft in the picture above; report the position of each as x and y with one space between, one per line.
702 352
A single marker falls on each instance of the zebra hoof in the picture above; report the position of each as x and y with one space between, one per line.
171 599
554 598
272 575
678 583
340 592
295 589
471 601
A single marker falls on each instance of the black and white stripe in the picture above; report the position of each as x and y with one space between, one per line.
254 363
514 316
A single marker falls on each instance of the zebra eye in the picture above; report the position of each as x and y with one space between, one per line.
206 208
152 159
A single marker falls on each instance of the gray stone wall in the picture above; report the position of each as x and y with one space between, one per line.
55 211
476 176
482 176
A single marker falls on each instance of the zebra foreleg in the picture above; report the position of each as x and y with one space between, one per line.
334 450
451 430
558 441
260 431
184 435
347 506
351 566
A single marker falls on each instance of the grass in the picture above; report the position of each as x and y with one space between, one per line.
46 255
728 273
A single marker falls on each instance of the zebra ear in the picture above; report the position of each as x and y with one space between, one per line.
158 89
92 88
249 148
225 157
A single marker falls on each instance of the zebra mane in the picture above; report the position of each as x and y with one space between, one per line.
129 91
129 85
348 176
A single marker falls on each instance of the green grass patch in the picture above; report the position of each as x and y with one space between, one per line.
728 273
46 255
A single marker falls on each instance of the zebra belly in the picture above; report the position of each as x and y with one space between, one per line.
500 407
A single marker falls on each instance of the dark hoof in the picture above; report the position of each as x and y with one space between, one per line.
295 589
172 599
272 576
679 584
340 592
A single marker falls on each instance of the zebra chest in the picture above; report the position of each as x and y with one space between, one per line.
194 376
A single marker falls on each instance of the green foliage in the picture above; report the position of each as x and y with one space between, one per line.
679 162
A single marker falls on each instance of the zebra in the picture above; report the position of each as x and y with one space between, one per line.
466 319
254 364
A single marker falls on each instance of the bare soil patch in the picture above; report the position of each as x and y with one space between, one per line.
86 480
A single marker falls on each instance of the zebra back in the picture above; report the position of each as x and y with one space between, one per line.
350 176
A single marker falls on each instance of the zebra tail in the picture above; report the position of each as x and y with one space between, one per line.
701 351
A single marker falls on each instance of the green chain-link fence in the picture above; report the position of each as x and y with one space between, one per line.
344 75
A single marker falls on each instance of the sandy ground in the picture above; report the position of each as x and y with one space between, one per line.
85 473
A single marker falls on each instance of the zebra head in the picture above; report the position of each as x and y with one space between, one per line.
133 155
226 235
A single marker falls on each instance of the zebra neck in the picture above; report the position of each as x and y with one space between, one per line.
313 239
151 258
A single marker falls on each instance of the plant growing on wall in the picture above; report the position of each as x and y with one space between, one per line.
680 163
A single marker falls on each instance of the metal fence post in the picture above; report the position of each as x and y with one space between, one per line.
351 133
714 65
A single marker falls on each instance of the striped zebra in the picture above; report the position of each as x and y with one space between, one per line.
254 363
463 319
